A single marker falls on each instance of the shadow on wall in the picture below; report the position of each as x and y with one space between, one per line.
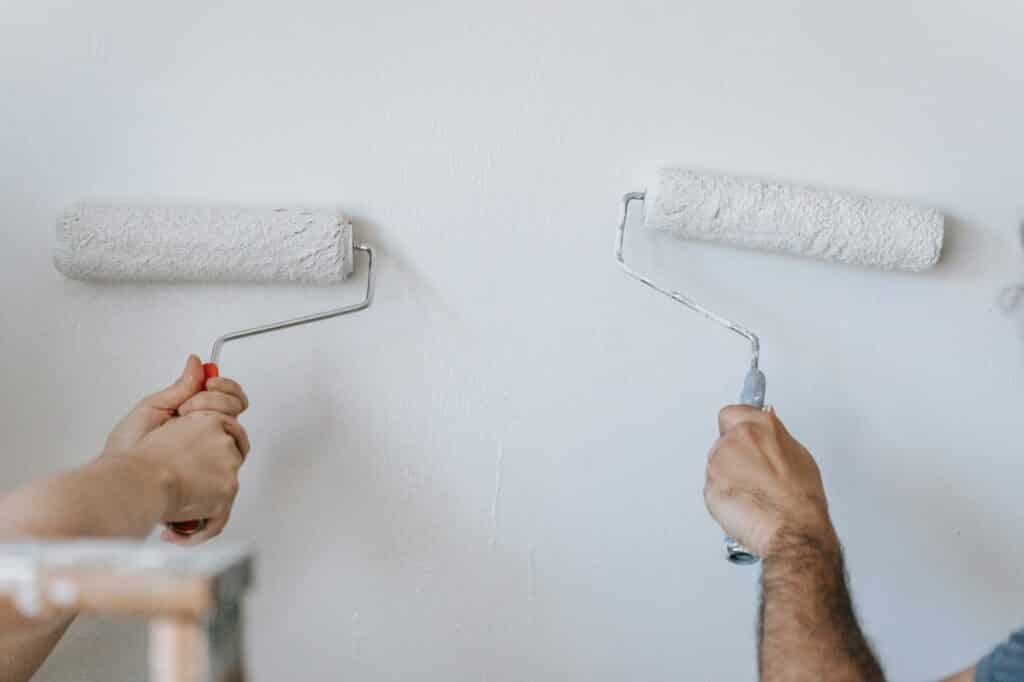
388 565
1011 299
923 520
960 248
400 267
965 248
985 565
934 523
396 529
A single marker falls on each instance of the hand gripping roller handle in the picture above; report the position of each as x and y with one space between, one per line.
192 527
753 385
211 368
753 394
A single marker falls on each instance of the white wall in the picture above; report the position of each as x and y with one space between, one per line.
495 473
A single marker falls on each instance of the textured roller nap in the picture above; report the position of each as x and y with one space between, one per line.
111 242
805 221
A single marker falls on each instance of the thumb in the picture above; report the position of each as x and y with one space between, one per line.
188 384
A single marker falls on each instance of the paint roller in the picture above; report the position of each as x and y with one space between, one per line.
107 242
784 218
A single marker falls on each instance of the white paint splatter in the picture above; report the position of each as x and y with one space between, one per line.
98 47
531 566
496 504
356 644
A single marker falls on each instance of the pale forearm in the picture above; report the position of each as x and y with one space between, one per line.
112 496
23 651
174 457
808 627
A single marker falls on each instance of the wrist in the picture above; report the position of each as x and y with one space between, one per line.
804 541
147 472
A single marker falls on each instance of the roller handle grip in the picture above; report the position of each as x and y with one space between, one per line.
187 528
753 394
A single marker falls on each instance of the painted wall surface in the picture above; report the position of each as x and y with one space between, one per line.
495 473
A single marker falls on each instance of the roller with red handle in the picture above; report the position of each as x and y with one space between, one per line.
113 242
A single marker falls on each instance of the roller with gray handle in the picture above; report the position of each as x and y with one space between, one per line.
753 395
785 218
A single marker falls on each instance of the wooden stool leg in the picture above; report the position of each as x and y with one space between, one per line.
177 651
193 598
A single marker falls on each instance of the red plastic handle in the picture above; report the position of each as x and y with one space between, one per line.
186 528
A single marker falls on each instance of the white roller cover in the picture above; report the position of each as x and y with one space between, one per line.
877 233
154 243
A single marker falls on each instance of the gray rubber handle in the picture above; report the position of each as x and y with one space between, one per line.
753 394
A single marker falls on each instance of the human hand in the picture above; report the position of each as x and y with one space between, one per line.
763 487
200 454
184 397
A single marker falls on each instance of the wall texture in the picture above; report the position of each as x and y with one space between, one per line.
495 473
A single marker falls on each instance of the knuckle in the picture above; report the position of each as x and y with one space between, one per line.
714 494
727 491
746 431
714 467
714 474
727 444
723 449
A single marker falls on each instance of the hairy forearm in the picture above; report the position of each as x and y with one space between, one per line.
808 628
962 676
112 496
